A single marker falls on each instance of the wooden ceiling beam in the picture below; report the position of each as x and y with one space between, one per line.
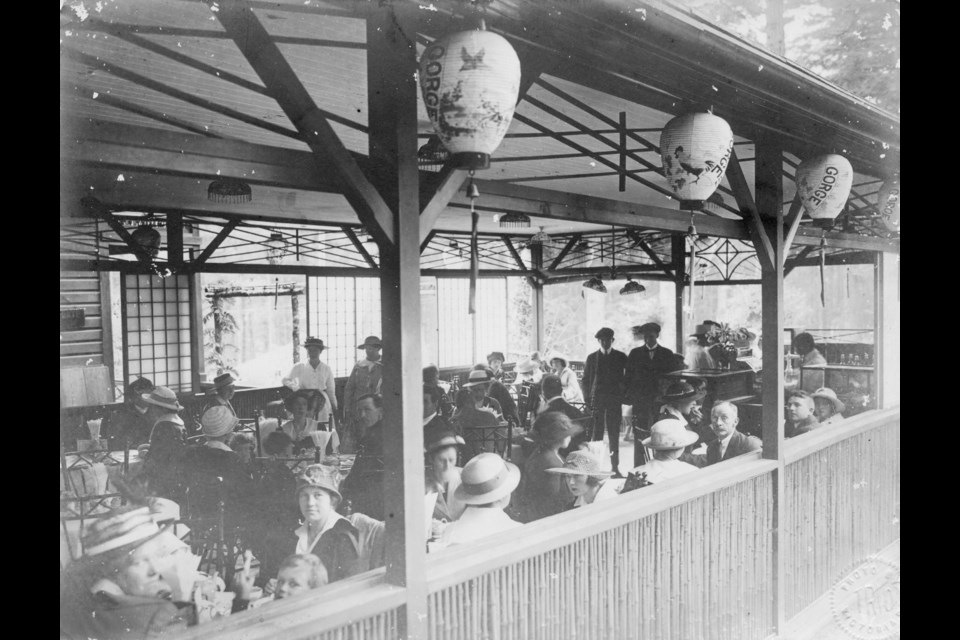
281 80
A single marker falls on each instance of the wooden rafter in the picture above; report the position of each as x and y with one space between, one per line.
190 98
448 183
792 223
268 62
126 105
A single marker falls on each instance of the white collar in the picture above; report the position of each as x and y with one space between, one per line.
726 441
427 420
549 400
216 444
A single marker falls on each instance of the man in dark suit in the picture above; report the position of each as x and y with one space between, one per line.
603 385
645 365
730 443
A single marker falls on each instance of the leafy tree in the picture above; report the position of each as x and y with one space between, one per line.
218 324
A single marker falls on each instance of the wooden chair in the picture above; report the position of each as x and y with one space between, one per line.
212 536
494 439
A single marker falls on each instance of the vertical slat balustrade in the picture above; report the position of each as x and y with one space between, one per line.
842 503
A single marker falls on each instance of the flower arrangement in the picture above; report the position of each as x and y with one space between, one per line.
726 342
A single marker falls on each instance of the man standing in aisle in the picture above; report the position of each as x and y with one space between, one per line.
365 379
603 386
645 366
315 374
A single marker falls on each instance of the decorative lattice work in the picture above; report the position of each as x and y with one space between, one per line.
343 311
156 329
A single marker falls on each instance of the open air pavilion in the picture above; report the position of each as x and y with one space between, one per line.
313 109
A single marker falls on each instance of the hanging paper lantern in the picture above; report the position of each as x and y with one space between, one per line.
888 203
823 184
695 149
470 83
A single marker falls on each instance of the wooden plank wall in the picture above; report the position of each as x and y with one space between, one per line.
700 569
382 626
842 505
86 346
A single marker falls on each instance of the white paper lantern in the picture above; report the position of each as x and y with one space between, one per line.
470 82
888 203
695 150
823 184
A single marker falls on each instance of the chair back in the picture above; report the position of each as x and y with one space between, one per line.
493 439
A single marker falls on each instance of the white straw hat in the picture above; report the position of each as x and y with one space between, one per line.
670 434
218 421
486 478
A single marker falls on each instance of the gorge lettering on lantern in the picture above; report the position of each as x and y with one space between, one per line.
893 198
826 185
432 69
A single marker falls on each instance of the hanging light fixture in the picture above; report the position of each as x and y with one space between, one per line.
595 284
275 245
514 221
695 149
470 82
540 237
823 184
631 287
229 190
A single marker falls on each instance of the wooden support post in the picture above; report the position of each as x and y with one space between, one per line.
175 241
106 326
536 259
197 359
678 252
886 339
392 100
770 209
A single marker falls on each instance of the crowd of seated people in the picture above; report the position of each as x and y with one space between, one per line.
307 526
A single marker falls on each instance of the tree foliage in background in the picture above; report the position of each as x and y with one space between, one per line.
218 323
852 43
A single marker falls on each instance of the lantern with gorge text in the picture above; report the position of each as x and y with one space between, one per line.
695 150
470 82
888 203
823 184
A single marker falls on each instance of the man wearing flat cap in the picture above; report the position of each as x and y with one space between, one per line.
645 366
364 380
603 386
316 375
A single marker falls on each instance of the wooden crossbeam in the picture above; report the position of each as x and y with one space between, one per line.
792 223
656 259
748 208
215 243
449 182
280 79
362 250
98 210
563 252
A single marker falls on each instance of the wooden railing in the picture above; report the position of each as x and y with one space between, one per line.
686 559
842 501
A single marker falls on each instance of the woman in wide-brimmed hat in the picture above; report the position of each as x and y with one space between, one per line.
828 407
122 586
485 487
668 438
568 378
220 394
442 473
541 494
587 478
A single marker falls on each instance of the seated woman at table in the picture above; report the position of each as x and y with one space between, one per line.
244 445
541 494
161 472
347 546
443 474
586 479
306 432
568 378
473 420
124 585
